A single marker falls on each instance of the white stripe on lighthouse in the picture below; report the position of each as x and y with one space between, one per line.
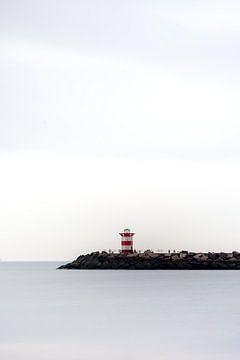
126 247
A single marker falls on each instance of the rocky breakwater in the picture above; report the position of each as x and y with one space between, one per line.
149 260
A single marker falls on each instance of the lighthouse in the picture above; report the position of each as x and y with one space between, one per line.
127 241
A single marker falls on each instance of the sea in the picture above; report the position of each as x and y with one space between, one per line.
49 314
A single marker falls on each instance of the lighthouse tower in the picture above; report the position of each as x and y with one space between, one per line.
126 241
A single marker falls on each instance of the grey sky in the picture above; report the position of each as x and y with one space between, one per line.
114 114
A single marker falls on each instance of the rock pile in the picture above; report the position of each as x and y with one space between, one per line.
149 260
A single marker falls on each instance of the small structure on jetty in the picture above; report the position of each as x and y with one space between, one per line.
126 241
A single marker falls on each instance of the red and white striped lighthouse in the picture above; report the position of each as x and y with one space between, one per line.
127 241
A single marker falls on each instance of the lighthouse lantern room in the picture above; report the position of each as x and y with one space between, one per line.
127 241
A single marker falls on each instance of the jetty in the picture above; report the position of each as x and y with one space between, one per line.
149 260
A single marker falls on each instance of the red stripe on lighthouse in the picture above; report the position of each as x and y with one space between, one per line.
127 234
127 242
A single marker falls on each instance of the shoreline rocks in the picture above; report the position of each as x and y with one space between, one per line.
150 260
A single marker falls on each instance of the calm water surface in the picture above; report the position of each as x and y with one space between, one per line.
110 315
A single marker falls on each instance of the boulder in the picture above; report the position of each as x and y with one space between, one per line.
200 257
232 259
148 252
183 255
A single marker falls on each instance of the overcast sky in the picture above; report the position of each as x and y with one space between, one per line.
118 114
